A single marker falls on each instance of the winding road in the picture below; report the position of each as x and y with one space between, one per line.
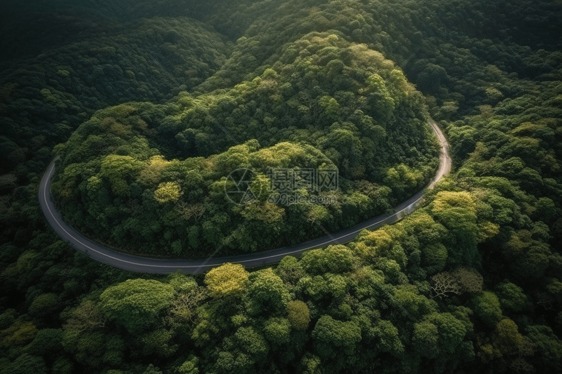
151 265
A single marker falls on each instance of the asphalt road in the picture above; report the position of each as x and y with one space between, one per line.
150 265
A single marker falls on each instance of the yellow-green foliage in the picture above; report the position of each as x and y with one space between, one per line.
116 169
312 87
298 314
450 200
168 191
228 279
19 333
266 212
324 103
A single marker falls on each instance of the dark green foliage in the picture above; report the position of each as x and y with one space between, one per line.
256 84
335 337
27 364
44 305
135 303
113 181
46 342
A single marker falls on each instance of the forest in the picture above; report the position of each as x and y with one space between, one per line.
150 106
113 169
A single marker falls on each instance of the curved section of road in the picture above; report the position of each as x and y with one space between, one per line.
151 265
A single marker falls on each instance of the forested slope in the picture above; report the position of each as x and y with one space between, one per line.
469 284
310 111
43 99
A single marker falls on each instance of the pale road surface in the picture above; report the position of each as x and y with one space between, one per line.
151 265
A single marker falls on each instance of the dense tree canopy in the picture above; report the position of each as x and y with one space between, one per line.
376 138
155 103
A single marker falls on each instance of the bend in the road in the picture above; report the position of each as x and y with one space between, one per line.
126 261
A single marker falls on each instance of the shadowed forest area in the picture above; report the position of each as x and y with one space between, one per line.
150 106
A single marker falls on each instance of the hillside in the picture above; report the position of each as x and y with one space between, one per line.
187 91
310 111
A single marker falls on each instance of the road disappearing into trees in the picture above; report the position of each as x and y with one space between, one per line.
129 262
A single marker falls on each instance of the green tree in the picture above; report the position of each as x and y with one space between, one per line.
225 280
44 305
334 259
47 341
548 346
28 364
487 307
508 339
190 366
151 369
511 296
434 258
136 303
168 191
117 169
266 292
290 270
426 339
333 336
451 331
86 316
277 330
158 343
252 342
298 314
